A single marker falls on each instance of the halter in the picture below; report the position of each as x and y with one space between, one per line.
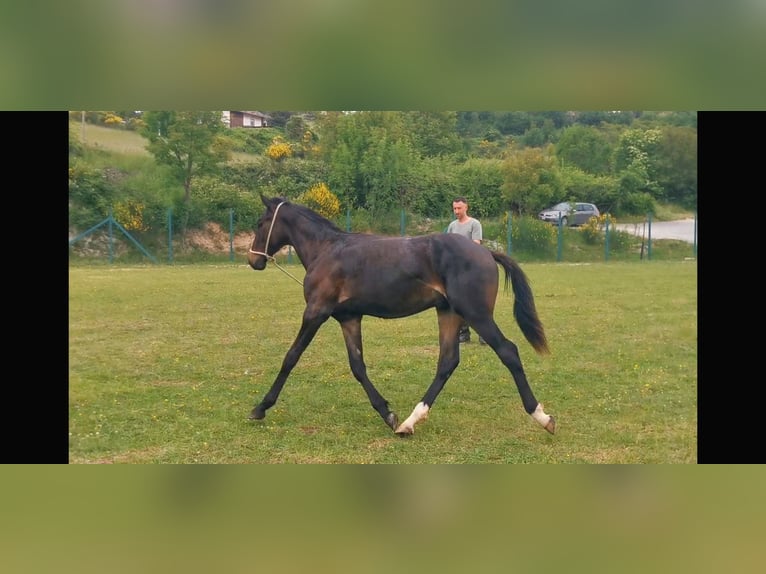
266 246
268 236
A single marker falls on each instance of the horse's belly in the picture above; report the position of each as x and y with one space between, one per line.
376 309
391 303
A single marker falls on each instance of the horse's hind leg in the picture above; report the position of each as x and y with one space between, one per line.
309 328
449 359
509 355
352 335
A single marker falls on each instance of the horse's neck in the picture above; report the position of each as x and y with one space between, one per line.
308 247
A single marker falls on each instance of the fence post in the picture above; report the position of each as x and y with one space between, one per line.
401 223
231 234
695 234
510 225
649 241
170 235
348 218
560 240
111 238
606 240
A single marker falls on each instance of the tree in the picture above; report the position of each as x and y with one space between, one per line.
532 180
433 133
513 123
635 162
342 146
190 143
370 156
540 135
385 168
583 186
480 180
280 118
295 127
677 164
434 183
585 147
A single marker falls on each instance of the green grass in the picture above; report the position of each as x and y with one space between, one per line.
166 363
112 140
127 142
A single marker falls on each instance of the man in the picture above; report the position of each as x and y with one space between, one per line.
469 227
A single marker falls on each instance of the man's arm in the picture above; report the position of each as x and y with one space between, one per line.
477 230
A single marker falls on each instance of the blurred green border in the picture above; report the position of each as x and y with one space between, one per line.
338 54
682 518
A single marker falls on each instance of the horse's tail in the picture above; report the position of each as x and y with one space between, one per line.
524 303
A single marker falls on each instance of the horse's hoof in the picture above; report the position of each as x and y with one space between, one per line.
403 430
392 420
257 414
551 426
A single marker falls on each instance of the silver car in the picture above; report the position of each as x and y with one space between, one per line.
579 215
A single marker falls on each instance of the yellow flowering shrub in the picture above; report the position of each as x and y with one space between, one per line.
111 119
130 214
593 230
322 200
279 149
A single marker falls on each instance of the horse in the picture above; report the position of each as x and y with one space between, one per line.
350 275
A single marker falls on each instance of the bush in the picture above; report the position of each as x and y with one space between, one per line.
90 196
212 200
495 229
322 200
532 236
636 202
620 241
381 222
279 149
252 140
130 214
593 230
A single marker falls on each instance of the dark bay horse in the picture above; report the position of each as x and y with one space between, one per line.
349 275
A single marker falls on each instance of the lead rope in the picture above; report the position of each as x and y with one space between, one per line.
266 248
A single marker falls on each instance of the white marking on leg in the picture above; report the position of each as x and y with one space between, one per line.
540 416
420 412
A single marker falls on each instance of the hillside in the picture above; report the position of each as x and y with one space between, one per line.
128 142
110 139
126 152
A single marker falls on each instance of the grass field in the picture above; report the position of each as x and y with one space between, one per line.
166 363
110 139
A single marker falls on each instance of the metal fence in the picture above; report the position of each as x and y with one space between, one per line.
110 233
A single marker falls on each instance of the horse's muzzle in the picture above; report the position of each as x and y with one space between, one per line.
257 262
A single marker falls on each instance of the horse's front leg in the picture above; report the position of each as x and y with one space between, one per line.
352 335
309 328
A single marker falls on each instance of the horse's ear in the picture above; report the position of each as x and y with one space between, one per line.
264 200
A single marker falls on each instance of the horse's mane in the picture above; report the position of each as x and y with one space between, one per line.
313 216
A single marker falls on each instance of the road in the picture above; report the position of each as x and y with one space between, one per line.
682 229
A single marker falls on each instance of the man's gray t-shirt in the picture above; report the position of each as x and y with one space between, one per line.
470 229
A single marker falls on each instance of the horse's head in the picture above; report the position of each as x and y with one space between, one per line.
270 233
